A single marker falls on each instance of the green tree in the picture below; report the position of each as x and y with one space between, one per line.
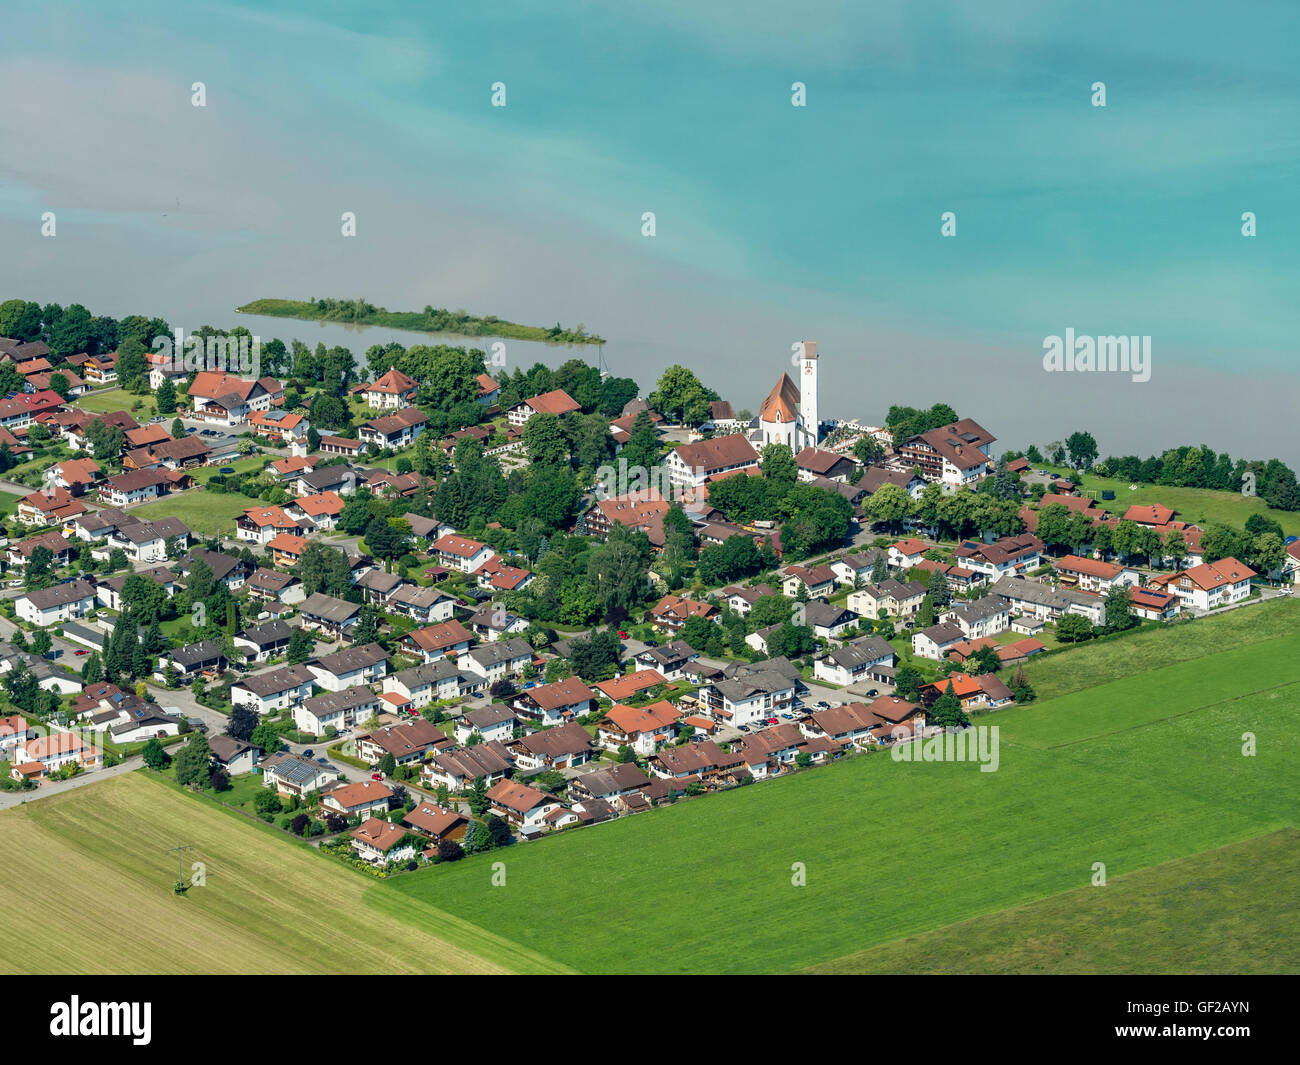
946 710
155 755
166 396
192 762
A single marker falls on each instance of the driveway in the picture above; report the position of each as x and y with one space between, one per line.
16 798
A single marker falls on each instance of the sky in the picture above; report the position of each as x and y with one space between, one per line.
774 223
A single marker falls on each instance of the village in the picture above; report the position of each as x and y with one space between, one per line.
289 600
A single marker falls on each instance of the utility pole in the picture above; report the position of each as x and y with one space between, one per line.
179 850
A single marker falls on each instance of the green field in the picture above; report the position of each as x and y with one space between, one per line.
1227 910
92 863
207 513
1133 776
1196 505
119 399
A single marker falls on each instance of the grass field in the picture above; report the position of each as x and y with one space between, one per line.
91 864
118 399
207 513
1196 505
1226 910
1133 777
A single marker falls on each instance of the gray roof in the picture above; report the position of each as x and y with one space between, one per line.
379 581
222 565
227 748
268 635
488 716
413 595
350 659
863 652
348 699
61 594
738 689
945 632
293 768
818 612
780 664
421 526
502 651
277 680
328 608
147 531
1040 594
196 654
429 673
985 607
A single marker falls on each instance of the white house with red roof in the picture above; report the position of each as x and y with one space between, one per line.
1211 584
461 553
393 389
556 401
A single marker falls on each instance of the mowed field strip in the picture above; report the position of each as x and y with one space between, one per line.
88 869
895 849
1229 910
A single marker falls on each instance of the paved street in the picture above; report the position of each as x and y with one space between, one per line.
48 788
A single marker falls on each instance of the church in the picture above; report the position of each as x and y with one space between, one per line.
789 414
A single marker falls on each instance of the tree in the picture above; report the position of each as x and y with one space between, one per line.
166 396
450 851
946 710
266 737
499 830
681 397
41 642
1073 628
178 429
868 450
1083 449
890 505
388 764
242 721
478 800
300 648
155 755
544 440
132 365
192 763
642 447
92 672
908 681
778 464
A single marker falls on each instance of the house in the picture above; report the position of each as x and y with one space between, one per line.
1048 604
488 390
45 607
279 427
261 525
986 616
496 576
952 455
958 578
610 783
145 541
741 599
138 486
936 641
424 684
408 742
230 570
279 689
1093 575
1154 605
691 465
341 445
630 684
350 666
195 659
319 511
855 568
818 581
889 598
493 622
363 799
642 728
55 751
185 453
13 730
291 774
1209 585
553 704
460 552
814 462
436 641
271 585
379 842
564 747
1009 556
286 549
394 431
340 479
497 661
827 621
643 511
672 612
234 756
459 767
750 694
764 752
436 822
493 722
339 710
71 473
393 389
264 641
327 614
554 402
50 506
519 804
692 760
854 661
55 543
224 399
378 585
669 660
907 553
425 606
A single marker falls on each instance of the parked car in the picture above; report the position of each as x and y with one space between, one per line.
622 635
376 776
773 721
874 691
80 653
308 753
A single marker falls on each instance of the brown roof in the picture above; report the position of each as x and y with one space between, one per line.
556 401
718 453
782 403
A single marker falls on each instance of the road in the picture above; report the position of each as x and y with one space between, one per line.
48 788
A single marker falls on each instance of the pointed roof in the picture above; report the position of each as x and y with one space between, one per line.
782 403
394 382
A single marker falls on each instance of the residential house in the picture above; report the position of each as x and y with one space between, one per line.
553 704
854 661
279 689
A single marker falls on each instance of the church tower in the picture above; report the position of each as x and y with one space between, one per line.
808 389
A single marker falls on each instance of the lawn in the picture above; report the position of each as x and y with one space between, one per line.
118 399
1196 505
207 513
94 859
247 464
1144 771
8 503
1230 910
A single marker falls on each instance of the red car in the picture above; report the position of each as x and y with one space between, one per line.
80 653
773 721
376 776
622 635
